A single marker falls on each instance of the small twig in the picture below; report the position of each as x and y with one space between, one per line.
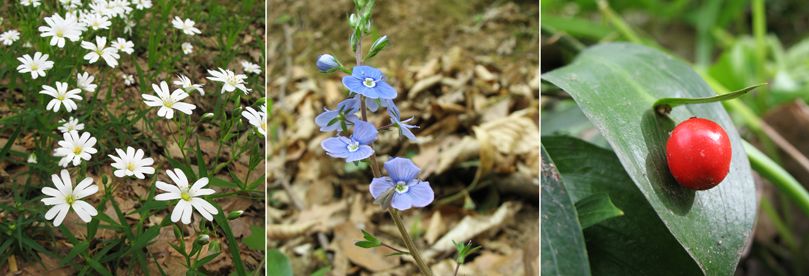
395 249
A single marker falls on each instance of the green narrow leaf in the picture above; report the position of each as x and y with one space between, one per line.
233 246
562 245
614 84
77 249
595 209
665 105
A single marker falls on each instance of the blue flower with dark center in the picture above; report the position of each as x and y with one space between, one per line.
369 82
401 189
355 148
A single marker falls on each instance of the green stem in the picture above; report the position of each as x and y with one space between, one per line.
779 177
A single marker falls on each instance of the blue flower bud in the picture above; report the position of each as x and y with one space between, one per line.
327 63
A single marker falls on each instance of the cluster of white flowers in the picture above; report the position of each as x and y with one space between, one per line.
75 19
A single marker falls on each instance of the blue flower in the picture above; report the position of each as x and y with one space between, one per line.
331 120
395 119
401 189
355 148
404 129
369 82
327 63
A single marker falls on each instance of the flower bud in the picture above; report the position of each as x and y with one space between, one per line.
203 239
207 116
327 63
235 214
353 20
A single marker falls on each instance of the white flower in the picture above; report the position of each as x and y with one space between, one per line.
230 80
128 25
168 101
189 197
120 7
61 96
96 21
72 124
85 82
71 4
128 79
257 118
26 3
123 45
185 83
142 4
36 65
60 28
99 50
8 37
186 26
74 148
32 158
131 163
187 48
250 67
65 197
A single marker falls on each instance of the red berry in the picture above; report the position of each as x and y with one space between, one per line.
698 153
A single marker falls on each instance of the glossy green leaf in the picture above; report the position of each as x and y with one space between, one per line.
637 243
615 85
595 209
562 245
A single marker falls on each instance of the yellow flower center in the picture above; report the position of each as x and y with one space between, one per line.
130 166
264 126
168 104
76 150
70 199
60 33
185 196
60 97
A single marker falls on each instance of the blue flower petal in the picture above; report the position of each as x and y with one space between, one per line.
380 185
350 105
401 201
393 110
371 104
384 90
364 132
364 71
336 146
402 169
324 118
404 130
361 153
421 194
353 84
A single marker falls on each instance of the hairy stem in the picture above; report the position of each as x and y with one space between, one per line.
411 246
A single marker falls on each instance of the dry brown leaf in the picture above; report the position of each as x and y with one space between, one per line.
373 259
289 231
435 228
472 226
422 85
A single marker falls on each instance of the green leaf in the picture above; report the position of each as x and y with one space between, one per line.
366 244
595 209
278 264
256 239
77 249
378 45
615 85
233 247
562 246
665 105
635 238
